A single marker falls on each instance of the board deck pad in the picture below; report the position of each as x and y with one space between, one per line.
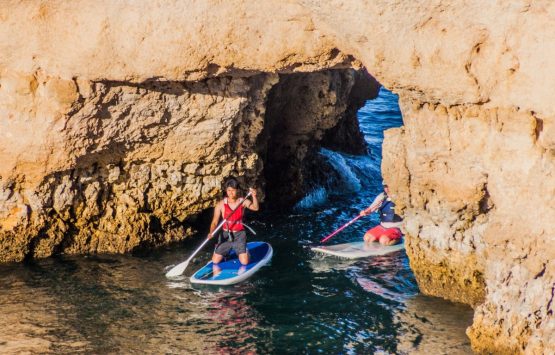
358 249
231 271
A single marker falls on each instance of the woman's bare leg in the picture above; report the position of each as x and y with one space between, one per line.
369 238
217 258
244 258
384 240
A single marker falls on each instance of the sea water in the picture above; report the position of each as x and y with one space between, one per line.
301 303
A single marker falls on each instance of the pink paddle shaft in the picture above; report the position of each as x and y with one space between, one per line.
341 228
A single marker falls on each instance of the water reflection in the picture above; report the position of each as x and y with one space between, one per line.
429 325
125 304
24 320
117 304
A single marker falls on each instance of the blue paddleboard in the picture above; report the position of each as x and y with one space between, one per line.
231 271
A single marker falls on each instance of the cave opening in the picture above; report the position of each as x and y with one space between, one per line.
322 136
316 123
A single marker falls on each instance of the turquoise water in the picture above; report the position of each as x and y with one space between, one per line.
301 303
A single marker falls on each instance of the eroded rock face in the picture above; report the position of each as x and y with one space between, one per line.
125 125
304 112
473 166
129 165
131 162
472 189
173 40
107 109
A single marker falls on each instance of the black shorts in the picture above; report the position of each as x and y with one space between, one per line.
238 243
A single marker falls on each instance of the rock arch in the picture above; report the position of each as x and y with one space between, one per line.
89 82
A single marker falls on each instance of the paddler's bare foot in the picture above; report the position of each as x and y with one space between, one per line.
386 241
369 238
216 269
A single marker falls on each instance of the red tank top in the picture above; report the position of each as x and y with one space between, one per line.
234 221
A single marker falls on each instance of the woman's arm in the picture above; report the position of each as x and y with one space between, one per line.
215 218
374 206
252 205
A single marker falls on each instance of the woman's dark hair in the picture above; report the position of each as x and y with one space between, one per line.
231 182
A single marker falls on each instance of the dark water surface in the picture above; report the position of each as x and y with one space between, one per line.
301 303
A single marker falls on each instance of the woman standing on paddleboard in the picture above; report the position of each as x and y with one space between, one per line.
231 208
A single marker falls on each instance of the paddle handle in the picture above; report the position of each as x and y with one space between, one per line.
341 228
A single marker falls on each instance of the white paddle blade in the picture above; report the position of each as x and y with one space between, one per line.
178 269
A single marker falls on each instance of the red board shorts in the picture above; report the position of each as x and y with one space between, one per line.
391 233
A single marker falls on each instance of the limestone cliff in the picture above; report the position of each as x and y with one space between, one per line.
138 161
306 111
116 133
119 118
473 166
133 160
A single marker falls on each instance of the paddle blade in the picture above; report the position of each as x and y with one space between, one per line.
177 269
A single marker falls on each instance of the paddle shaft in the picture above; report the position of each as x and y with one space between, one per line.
341 228
217 228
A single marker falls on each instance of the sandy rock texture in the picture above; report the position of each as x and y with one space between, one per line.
171 39
472 232
129 165
128 161
118 121
473 166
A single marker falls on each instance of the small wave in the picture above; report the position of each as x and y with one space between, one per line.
348 178
316 197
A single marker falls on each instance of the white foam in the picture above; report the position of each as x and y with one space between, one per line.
349 179
315 198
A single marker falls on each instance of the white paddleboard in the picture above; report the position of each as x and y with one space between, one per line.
358 249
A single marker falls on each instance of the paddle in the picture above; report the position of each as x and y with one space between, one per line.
341 228
180 268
